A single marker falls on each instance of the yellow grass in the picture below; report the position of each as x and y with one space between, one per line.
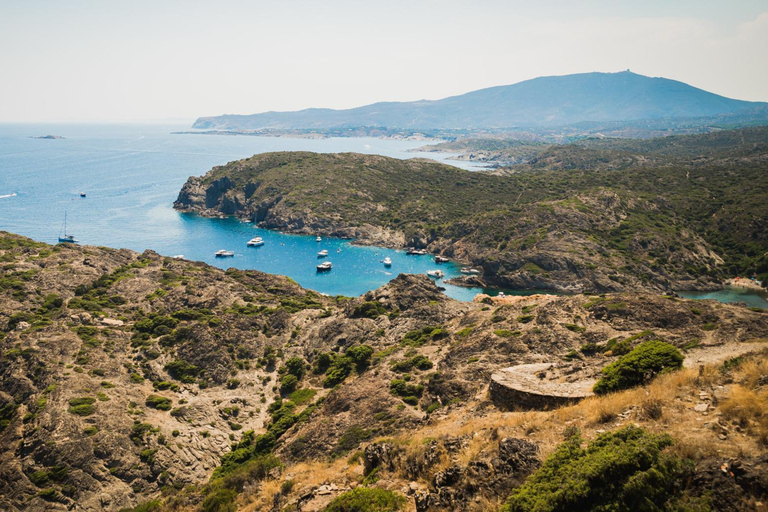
663 406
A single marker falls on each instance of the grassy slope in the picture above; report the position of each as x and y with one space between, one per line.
672 191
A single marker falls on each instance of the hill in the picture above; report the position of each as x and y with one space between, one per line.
135 380
573 218
541 102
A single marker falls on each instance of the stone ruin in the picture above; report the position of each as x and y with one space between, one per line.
540 386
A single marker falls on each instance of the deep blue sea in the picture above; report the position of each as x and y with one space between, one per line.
131 175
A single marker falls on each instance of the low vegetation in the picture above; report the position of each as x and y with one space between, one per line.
639 366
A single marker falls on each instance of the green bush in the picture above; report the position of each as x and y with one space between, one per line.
619 471
295 366
421 336
183 371
158 402
369 310
402 388
340 369
361 356
288 383
639 366
364 499
221 500
419 362
82 406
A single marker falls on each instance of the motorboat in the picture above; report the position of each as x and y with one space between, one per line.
415 252
319 239
387 262
324 266
437 274
469 270
323 253
222 253
255 242
441 259
82 194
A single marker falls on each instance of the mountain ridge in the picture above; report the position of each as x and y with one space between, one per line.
539 102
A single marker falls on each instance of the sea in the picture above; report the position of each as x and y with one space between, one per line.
131 174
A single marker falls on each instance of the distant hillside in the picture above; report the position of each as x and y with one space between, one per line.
572 219
541 102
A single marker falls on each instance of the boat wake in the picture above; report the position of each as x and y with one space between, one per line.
8 195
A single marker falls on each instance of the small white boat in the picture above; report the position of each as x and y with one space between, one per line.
387 262
255 242
416 252
318 239
469 270
222 253
82 194
324 267
437 274
441 259
323 253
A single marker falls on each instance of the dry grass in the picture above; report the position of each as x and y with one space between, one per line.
663 406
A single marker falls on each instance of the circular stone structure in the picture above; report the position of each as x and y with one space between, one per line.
540 386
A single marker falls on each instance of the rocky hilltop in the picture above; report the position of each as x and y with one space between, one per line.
136 380
580 217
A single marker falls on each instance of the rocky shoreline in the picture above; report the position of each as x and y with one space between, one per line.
550 268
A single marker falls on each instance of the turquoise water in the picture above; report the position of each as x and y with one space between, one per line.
731 294
132 174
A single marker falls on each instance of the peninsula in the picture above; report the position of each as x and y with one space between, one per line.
680 213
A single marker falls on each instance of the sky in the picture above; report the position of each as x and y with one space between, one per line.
177 60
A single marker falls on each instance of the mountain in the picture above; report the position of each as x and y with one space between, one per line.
541 102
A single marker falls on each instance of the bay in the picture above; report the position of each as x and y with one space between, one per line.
131 174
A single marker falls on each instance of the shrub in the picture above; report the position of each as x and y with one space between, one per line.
364 499
339 370
288 383
370 309
622 470
183 371
322 362
221 500
524 319
640 365
361 356
295 366
158 402
82 406
419 362
402 388
421 336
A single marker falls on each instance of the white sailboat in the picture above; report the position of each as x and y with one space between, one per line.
67 238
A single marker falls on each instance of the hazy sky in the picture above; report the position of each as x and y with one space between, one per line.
136 60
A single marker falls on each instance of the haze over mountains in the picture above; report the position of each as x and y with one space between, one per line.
542 102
